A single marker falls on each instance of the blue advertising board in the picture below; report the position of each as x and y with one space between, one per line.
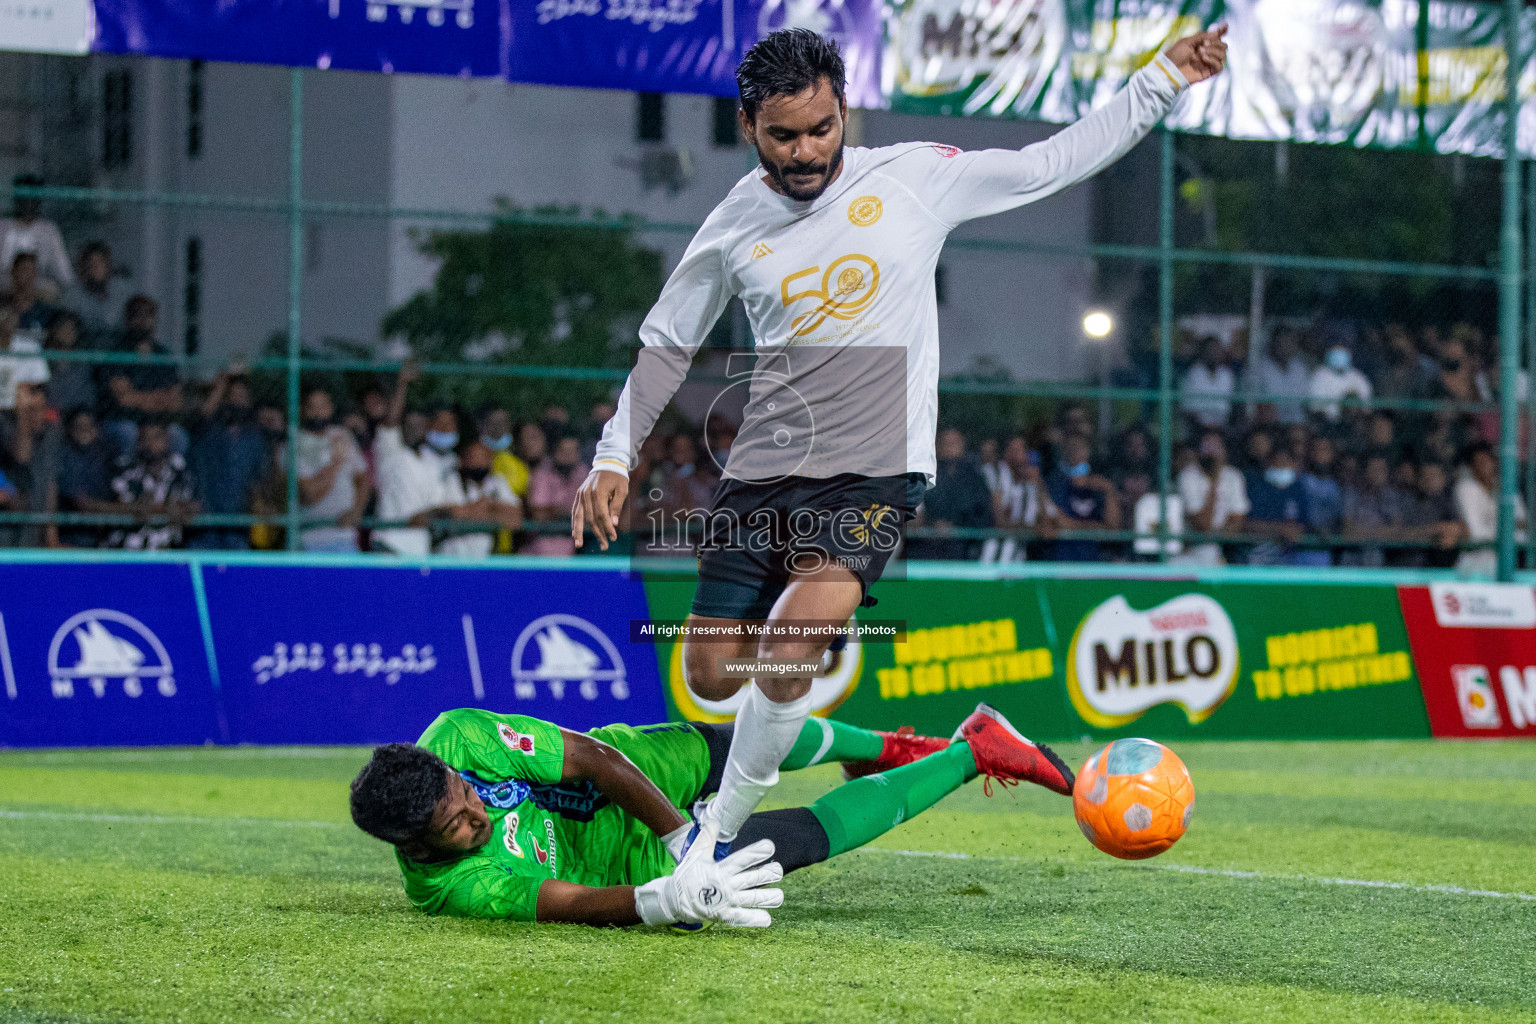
316 654
687 46
690 46
103 654
445 37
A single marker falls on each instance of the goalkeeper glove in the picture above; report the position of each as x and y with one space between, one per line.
702 889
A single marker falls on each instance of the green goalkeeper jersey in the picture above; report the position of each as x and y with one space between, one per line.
543 829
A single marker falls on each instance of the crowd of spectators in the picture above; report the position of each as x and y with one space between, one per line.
1311 453
176 463
1320 452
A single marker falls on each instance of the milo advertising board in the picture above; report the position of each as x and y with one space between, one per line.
1173 658
1065 658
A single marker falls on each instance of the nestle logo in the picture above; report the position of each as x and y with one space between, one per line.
1179 620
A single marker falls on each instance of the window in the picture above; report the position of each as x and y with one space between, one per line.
117 118
727 134
194 110
192 295
650 117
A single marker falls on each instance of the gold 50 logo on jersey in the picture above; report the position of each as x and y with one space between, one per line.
847 288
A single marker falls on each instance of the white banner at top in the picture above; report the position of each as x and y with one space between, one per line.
46 26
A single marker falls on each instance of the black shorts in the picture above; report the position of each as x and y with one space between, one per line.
759 535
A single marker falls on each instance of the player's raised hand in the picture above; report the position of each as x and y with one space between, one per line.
732 891
1200 56
599 502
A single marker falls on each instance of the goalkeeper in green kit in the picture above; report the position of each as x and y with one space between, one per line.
506 816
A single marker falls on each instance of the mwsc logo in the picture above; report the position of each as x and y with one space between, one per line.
563 650
102 645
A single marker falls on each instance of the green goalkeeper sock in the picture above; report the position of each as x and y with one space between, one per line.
822 739
867 808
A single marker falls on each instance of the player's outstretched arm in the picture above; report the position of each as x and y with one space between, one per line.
961 186
734 891
569 903
692 300
620 780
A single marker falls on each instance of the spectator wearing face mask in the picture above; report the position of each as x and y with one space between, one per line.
1278 510
496 434
228 455
1084 500
552 492
1335 380
495 425
472 494
555 421
1215 498
414 459
333 477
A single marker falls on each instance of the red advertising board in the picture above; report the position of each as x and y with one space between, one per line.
1474 645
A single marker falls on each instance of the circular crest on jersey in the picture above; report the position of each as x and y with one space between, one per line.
839 677
864 211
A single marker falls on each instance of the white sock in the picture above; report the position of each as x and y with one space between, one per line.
765 733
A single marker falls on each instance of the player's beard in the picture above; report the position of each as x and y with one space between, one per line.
827 171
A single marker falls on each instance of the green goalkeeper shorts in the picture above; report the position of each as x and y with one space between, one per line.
673 755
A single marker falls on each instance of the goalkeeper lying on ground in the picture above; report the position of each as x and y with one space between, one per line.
505 816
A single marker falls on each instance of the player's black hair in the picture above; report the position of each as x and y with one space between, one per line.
787 62
393 797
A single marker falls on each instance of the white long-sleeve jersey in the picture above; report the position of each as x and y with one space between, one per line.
840 294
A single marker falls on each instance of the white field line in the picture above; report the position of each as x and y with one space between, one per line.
164 819
21 757
1186 869
169 819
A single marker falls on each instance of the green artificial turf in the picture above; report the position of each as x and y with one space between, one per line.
227 885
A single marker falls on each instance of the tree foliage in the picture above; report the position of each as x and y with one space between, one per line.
532 289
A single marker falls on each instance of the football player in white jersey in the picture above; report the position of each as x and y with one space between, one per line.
832 252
